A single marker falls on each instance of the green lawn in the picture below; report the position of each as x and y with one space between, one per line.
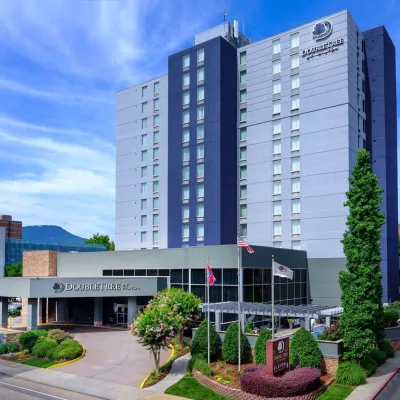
337 392
36 362
191 389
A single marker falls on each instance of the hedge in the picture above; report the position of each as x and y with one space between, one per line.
59 335
369 365
199 345
350 373
9 348
386 347
378 355
304 350
260 349
230 347
28 339
255 380
67 350
43 346
391 317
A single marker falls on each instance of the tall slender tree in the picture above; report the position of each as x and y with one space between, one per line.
362 323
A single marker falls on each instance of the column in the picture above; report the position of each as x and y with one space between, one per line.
32 314
98 311
40 311
132 309
3 312
328 322
307 324
218 321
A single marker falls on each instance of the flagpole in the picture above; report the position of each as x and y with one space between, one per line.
239 297
273 295
208 315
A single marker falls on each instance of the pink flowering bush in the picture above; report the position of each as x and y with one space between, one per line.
295 382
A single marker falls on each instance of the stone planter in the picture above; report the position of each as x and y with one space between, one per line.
332 353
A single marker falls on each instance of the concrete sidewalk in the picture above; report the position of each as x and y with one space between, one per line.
376 381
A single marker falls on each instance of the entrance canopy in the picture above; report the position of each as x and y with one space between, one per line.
301 311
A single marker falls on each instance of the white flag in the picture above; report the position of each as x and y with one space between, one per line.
282 271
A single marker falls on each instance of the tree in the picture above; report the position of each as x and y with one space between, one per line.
260 349
199 345
304 350
230 348
13 270
101 239
362 323
183 304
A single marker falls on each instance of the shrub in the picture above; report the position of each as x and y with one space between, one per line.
394 306
378 356
29 338
369 365
67 350
230 350
304 350
193 360
391 317
3 348
331 334
59 335
350 373
260 349
202 366
43 346
12 347
248 328
296 382
199 343
386 347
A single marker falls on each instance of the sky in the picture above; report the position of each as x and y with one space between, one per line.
61 63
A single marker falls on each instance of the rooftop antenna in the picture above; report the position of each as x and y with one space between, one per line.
224 13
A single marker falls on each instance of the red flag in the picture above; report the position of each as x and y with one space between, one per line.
210 276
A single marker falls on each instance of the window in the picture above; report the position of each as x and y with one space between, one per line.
185 173
243 230
155 203
143 237
155 236
155 219
277 147
296 206
156 153
296 227
185 193
358 79
185 154
200 75
242 58
296 164
143 220
186 79
200 210
156 169
200 112
242 77
200 132
243 192
277 229
156 104
243 211
295 81
243 95
243 115
155 186
296 245
276 46
185 136
143 172
186 98
243 172
296 185
200 230
276 87
156 87
200 190
156 120
143 204
276 127
276 107
294 40
295 143
200 171
200 151
295 123
144 107
200 55
277 167
185 212
144 140
185 231
276 67
277 188
143 188
294 61
277 208
144 155
156 136
243 153
144 91
185 117
200 93
144 123
295 102
243 134
186 61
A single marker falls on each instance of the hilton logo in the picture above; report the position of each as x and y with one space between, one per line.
322 30
58 287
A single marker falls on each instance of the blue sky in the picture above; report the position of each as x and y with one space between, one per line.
61 64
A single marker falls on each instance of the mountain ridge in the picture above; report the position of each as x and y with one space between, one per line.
50 233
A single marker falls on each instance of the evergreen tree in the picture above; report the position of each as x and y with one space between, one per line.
230 347
260 349
362 323
199 346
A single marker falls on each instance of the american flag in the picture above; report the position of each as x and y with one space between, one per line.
242 243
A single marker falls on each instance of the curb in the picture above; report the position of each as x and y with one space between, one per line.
169 359
70 361
386 383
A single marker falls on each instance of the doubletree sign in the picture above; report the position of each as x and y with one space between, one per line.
278 356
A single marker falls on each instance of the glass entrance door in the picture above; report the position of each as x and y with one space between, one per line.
122 314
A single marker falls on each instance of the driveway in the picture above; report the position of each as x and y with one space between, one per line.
112 356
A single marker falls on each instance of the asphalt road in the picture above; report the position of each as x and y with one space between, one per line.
12 388
392 390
